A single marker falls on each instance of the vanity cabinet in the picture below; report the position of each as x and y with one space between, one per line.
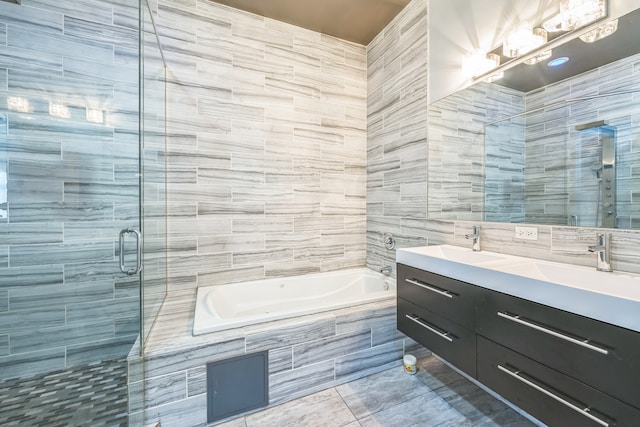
448 339
452 299
551 396
598 354
563 368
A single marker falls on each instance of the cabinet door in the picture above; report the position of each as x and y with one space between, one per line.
442 295
548 395
449 340
604 356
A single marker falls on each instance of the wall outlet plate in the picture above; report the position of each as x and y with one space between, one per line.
527 233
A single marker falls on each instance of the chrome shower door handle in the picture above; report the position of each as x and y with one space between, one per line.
138 235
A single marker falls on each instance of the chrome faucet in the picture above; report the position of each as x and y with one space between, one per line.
603 250
387 270
475 234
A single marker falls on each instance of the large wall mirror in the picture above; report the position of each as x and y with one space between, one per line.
543 144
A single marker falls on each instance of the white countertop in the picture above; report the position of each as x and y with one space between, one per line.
610 297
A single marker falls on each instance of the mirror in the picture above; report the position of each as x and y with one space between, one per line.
542 145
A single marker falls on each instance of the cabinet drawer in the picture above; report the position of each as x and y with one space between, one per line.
553 398
604 356
447 297
452 342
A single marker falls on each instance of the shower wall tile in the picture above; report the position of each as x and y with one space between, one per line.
32 319
65 212
24 255
21 191
31 17
16 58
59 336
34 276
397 148
38 41
49 296
98 310
59 277
97 11
271 118
103 349
4 345
25 233
13 366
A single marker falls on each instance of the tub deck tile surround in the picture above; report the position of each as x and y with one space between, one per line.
307 354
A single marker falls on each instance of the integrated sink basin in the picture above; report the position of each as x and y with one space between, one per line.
459 254
623 285
610 297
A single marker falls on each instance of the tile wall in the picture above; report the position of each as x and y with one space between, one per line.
267 146
397 135
68 184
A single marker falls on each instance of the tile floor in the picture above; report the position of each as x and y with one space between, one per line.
93 395
435 396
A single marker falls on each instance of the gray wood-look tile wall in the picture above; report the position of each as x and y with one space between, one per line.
267 135
397 135
67 181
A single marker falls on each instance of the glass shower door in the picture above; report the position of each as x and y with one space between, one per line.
153 186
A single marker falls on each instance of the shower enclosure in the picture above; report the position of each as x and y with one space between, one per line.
82 203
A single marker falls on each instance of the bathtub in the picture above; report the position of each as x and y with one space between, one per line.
247 303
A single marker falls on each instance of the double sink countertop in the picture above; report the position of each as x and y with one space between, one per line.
610 297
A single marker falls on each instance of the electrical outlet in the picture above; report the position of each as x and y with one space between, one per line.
527 233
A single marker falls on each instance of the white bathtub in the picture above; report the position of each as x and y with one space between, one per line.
240 304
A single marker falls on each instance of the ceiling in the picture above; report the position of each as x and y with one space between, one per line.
358 21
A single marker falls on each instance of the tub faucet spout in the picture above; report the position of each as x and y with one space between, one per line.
603 251
387 270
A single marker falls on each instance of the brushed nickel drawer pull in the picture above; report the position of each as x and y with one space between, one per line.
432 289
429 327
583 343
583 412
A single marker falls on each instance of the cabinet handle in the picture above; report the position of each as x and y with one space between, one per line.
583 343
579 410
432 289
420 322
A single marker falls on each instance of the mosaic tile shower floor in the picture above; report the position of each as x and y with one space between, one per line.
94 395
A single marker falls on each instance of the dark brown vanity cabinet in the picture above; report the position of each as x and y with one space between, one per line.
439 313
563 368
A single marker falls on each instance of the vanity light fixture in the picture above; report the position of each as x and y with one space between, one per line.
477 63
494 77
539 58
575 14
59 110
94 116
600 32
523 40
19 104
